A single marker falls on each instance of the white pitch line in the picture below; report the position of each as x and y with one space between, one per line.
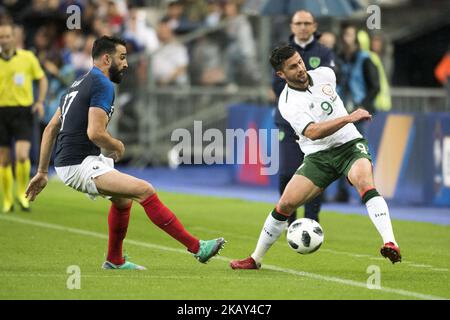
226 259
421 265
439 269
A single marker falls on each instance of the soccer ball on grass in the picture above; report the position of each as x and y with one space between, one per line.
305 236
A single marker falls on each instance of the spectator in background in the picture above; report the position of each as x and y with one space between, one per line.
328 39
358 84
81 59
442 73
40 13
384 51
72 42
207 61
53 4
214 13
59 76
195 10
42 44
139 32
383 99
170 62
177 18
240 53
358 79
207 67
100 27
303 40
114 17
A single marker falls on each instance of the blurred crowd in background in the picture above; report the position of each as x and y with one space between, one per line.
226 57
222 44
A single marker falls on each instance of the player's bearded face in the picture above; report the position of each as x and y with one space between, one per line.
115 73
294 72
118 64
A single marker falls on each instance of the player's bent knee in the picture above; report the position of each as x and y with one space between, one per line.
22 158
145 190
4 163
362 183
286 207
122 203
5 160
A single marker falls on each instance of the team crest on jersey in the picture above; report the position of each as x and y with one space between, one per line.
314 62
111 112
328 90
77 83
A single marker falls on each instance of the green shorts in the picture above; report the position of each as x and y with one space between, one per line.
326 166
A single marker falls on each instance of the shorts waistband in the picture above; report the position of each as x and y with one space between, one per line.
342 146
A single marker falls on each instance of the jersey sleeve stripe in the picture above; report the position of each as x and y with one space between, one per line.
304 129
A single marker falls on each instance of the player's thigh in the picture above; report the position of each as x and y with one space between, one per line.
360 174
120 185
22 150
299 190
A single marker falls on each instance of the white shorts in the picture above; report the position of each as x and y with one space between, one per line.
81 176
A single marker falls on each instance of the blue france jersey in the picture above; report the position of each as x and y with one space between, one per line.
94 89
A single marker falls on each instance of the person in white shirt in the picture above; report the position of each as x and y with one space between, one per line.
171 60
332 145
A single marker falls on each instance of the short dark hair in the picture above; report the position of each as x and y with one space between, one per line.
280 55
106 44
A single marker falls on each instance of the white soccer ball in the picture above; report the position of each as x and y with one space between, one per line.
305 236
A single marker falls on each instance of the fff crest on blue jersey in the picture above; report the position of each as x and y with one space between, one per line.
77 82
111 113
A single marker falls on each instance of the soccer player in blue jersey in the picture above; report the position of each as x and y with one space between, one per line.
80 128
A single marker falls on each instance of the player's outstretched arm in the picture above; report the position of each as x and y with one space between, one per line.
39 181
324 129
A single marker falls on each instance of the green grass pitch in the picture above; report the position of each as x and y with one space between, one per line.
65 228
